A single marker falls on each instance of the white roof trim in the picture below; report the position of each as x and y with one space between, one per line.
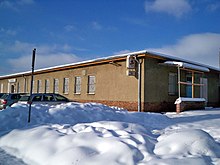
168 57
188 66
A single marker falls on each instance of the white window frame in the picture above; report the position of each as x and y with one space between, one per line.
172 84
33 86
66 85
91 84
47 86
56 85
2 88
39 86
77 85
18 87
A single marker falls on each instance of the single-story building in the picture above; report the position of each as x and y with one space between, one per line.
143 80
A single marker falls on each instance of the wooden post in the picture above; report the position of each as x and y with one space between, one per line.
193 90
179 85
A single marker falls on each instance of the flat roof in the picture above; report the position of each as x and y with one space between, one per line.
109 58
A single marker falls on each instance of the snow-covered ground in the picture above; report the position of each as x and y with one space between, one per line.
95 134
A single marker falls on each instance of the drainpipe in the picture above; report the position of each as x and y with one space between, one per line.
139 83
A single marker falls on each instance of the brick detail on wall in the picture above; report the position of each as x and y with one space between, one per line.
189 106
130 106
133 106
159 107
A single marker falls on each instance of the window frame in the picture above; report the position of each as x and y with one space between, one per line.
2 87
66 85
47 86
91 88
56 85
18 87
39 86
77 85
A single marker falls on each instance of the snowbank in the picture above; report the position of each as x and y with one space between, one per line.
90 133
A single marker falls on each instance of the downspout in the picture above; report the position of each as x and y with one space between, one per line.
139 83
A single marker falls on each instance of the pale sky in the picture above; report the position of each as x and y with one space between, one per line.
75 30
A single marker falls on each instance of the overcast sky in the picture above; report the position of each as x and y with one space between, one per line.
74 30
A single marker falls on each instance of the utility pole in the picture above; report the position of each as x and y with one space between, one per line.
32 76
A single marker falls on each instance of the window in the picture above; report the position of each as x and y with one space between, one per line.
48 97
25 85
172 84
15 97
56 86
91 84
77 87
60 98
37 98
66 85
47 86
39 86
18 88
2 88
33 89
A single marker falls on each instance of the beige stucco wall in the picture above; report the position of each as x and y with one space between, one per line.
111 82
113 85
156 81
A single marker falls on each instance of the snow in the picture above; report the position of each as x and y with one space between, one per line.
78 63
187 65
95 134
182 99
184 63
175 58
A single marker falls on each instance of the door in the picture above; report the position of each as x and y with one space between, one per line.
204 88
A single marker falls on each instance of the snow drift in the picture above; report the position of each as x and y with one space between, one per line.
91 133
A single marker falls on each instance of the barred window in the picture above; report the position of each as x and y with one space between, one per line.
172 84
77 87
56 86
39 86
2 88
47 86
33 87
18 88
66 85
91 84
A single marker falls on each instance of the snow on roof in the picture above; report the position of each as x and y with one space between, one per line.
174 58
187 65
187 99
78 63
156 54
